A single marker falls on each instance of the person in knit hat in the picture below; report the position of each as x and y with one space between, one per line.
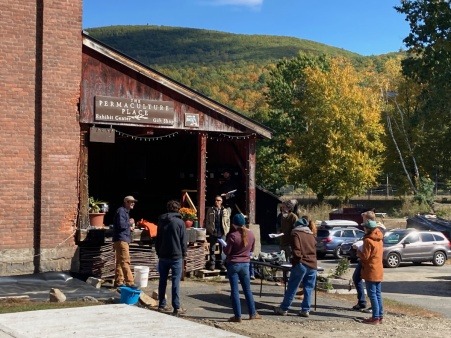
240 243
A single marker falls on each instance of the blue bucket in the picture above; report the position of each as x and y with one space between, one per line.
129 295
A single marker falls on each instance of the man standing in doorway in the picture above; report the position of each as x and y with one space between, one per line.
171 247
123 225
217 226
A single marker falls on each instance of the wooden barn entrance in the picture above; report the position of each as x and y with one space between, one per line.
152 168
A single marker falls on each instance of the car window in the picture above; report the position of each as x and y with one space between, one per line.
438 237
412 238
427 237
348 233
392 238
322 233
337 234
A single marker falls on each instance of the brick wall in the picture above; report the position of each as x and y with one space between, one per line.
40 70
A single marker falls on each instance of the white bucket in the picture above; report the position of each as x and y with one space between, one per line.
141 276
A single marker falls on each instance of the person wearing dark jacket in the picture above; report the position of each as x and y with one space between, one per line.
122 227
304 266
171 246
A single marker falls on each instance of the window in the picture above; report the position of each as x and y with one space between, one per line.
439 237
348 233
427 237
413 238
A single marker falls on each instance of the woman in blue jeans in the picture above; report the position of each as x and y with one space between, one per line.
240 243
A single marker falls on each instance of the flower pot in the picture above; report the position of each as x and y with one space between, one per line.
189 223
96 219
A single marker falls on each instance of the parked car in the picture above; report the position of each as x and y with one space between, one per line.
348 251
329 241
430 222
412 245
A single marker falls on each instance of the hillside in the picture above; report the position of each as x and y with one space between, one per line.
169 46
230 68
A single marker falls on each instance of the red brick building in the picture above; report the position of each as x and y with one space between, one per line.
62 140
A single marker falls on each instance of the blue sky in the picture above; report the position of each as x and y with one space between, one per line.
367 27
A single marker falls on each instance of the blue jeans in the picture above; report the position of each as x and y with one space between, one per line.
300 273
164 265
251 270
358 282
374 290
240 272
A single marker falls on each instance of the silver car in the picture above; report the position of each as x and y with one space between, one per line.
411 245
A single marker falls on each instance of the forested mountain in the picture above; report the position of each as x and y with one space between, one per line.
230 68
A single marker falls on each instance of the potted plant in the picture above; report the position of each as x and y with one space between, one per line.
97 211
188 215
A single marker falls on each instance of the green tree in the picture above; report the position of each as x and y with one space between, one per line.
428 63
328 126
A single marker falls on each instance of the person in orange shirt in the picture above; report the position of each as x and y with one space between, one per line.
372 269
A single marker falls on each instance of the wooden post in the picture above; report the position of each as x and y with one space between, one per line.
201 174
250 200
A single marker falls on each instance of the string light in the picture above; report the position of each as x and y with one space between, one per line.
222 137
147 139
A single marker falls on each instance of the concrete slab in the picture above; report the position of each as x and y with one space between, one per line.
114 320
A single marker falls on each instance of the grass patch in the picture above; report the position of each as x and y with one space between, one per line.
11 305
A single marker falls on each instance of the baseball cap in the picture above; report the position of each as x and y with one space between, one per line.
129 199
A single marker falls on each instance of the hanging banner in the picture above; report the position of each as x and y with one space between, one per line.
120 110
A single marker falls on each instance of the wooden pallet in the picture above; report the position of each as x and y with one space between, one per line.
207 274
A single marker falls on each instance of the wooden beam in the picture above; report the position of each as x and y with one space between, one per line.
250 181
201 175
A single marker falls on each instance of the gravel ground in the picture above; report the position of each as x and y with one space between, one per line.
209 303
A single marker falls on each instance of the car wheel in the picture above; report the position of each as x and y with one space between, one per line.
439 258
337 252
393 260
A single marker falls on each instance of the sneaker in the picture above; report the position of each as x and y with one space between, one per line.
381 320
178 312
256 316
165 309
234 319
359 307
252 277
367 310
371 321
305 314
279 311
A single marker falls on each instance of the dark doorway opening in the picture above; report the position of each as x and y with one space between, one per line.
152 169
